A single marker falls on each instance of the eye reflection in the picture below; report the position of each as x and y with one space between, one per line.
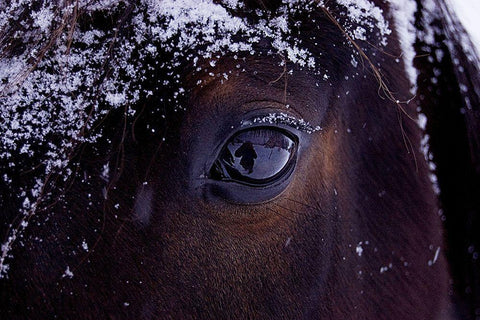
256 156
247 155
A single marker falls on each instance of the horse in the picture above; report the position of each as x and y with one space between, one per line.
257 159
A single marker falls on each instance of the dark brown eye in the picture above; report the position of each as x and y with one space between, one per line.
256 157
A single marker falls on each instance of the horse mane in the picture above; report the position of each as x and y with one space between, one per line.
449 95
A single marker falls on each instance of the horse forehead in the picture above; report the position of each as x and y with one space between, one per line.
233 84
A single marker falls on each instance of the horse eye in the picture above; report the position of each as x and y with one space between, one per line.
256 157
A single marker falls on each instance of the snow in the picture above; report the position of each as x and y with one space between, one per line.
422 121
368 17
105 174
403 16
288 241
467 12
435 257
43 18
359 249
84 245
428 156
67 273
285 119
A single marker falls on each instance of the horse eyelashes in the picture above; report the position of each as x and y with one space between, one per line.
256 157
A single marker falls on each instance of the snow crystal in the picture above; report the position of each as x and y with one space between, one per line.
67 273
26 203
84 245
359 249
360 33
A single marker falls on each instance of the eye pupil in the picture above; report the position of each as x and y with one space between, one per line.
246 153
256 156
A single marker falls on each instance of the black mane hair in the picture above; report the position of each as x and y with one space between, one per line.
449 94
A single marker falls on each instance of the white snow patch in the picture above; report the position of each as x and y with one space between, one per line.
403 12
467 12
366 14
422 121
43 18
283 118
